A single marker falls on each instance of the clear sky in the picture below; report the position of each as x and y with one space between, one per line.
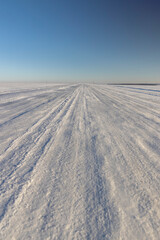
80 40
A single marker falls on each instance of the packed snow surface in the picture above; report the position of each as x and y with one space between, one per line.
79 161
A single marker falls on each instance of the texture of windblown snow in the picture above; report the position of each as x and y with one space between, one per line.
79 162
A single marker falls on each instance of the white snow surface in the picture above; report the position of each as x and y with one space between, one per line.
79 161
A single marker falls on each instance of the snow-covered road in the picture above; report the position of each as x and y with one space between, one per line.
79 162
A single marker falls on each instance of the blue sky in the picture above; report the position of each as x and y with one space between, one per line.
84 41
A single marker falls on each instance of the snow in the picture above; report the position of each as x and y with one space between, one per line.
79 161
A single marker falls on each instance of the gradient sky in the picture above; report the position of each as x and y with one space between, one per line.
85 40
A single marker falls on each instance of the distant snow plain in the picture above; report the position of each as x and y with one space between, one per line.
79 161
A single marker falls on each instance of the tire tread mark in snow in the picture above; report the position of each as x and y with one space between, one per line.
48 218
38 155
40 130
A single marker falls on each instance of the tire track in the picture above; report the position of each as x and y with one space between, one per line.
20 129
33 134
30 158
62 189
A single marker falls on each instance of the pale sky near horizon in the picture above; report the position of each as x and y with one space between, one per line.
84 41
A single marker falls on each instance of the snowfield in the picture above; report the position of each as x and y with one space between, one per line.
80 162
